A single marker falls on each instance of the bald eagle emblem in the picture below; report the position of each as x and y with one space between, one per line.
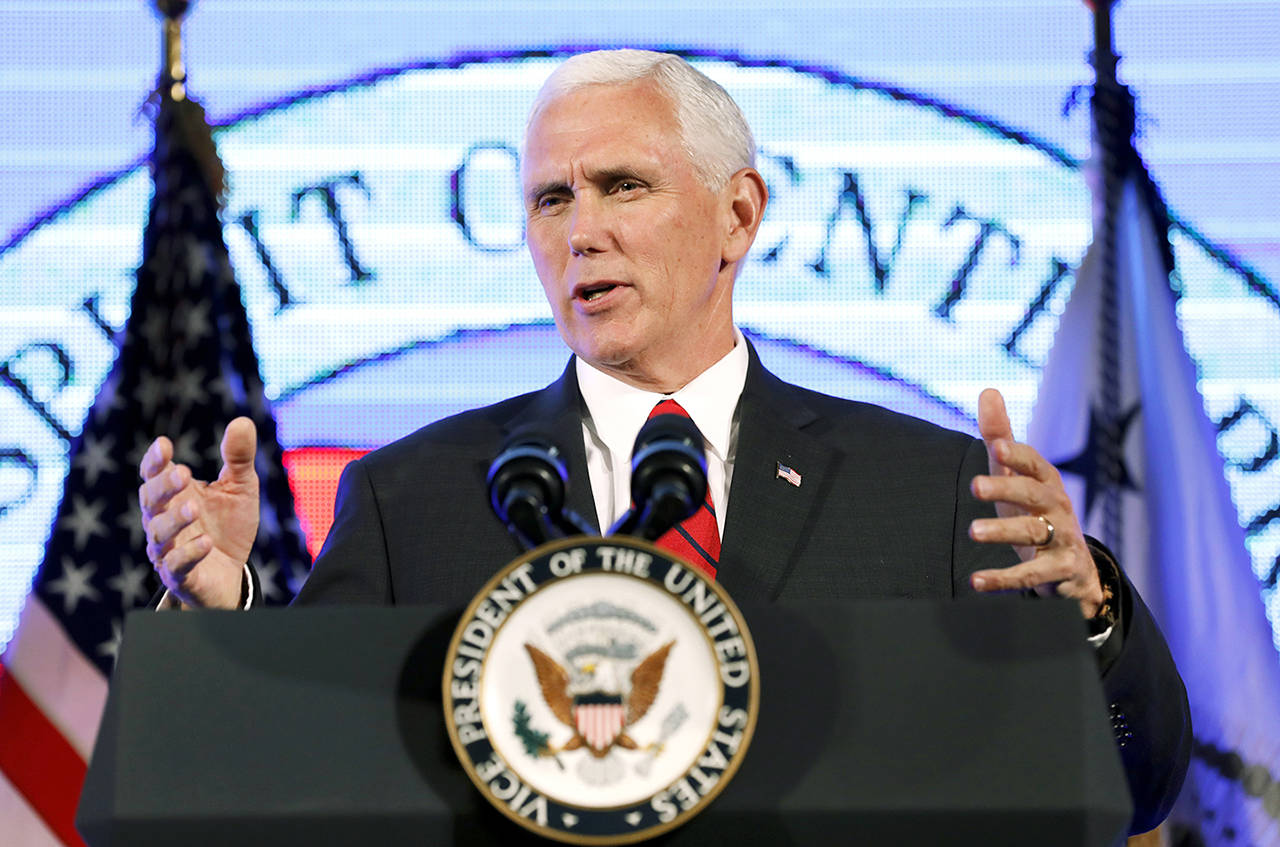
600 690
592 699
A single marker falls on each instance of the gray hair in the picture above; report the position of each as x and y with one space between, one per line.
713 130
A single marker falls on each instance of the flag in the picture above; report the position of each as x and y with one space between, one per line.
1120 415
789 474
185 366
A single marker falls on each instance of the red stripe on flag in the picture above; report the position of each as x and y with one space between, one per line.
42 766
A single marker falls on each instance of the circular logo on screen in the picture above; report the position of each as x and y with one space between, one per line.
601 691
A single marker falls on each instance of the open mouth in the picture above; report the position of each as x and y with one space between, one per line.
594 292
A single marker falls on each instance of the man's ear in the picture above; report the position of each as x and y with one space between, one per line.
747 195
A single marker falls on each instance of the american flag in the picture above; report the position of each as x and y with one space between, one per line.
186 365
789 474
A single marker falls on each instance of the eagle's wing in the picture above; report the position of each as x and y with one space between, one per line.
554 681
645 680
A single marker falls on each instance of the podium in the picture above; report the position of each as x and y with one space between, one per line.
881 722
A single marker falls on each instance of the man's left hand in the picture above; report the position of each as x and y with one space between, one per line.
1035 516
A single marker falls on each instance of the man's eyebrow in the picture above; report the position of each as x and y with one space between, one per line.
544 188
608 175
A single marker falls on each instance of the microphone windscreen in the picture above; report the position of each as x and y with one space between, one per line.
668 428
669 451
530 462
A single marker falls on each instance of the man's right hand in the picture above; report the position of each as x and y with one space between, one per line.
199 534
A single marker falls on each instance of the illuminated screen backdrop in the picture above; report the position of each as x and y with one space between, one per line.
916 249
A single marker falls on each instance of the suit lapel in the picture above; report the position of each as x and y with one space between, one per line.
768 519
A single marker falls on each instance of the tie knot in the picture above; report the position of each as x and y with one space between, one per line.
668 407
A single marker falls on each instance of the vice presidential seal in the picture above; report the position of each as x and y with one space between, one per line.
600 691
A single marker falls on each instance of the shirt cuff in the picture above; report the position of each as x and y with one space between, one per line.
168 602
1107 629
1096 641
248 595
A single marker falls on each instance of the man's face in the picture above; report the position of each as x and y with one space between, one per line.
627 240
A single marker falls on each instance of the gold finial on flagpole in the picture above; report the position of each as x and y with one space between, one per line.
173 74
186 126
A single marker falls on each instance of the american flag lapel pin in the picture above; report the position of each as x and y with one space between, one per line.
791 475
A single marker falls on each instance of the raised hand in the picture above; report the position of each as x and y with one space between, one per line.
1034 515
199 534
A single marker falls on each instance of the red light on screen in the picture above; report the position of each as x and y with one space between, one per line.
313 476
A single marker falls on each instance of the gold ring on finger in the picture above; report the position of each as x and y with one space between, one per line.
1048 538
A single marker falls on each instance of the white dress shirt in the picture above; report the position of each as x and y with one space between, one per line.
616 412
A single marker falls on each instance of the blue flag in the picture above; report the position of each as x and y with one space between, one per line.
1120 415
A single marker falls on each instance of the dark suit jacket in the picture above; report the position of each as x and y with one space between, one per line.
883 511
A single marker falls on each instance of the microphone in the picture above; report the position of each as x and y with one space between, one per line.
668 476
527 487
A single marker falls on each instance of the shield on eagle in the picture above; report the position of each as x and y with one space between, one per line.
599 718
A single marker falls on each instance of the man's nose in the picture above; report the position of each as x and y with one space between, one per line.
588 230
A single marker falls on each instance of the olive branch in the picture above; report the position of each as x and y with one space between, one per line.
534 741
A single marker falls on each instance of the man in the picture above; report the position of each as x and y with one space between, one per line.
642 203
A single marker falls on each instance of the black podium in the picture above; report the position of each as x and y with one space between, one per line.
885 722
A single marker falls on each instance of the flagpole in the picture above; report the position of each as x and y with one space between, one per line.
1112 114
1104 56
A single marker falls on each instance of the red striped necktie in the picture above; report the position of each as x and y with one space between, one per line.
697 537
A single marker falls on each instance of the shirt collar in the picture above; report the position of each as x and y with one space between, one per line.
618 410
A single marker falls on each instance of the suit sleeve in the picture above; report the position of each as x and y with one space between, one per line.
1148 711
353 564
